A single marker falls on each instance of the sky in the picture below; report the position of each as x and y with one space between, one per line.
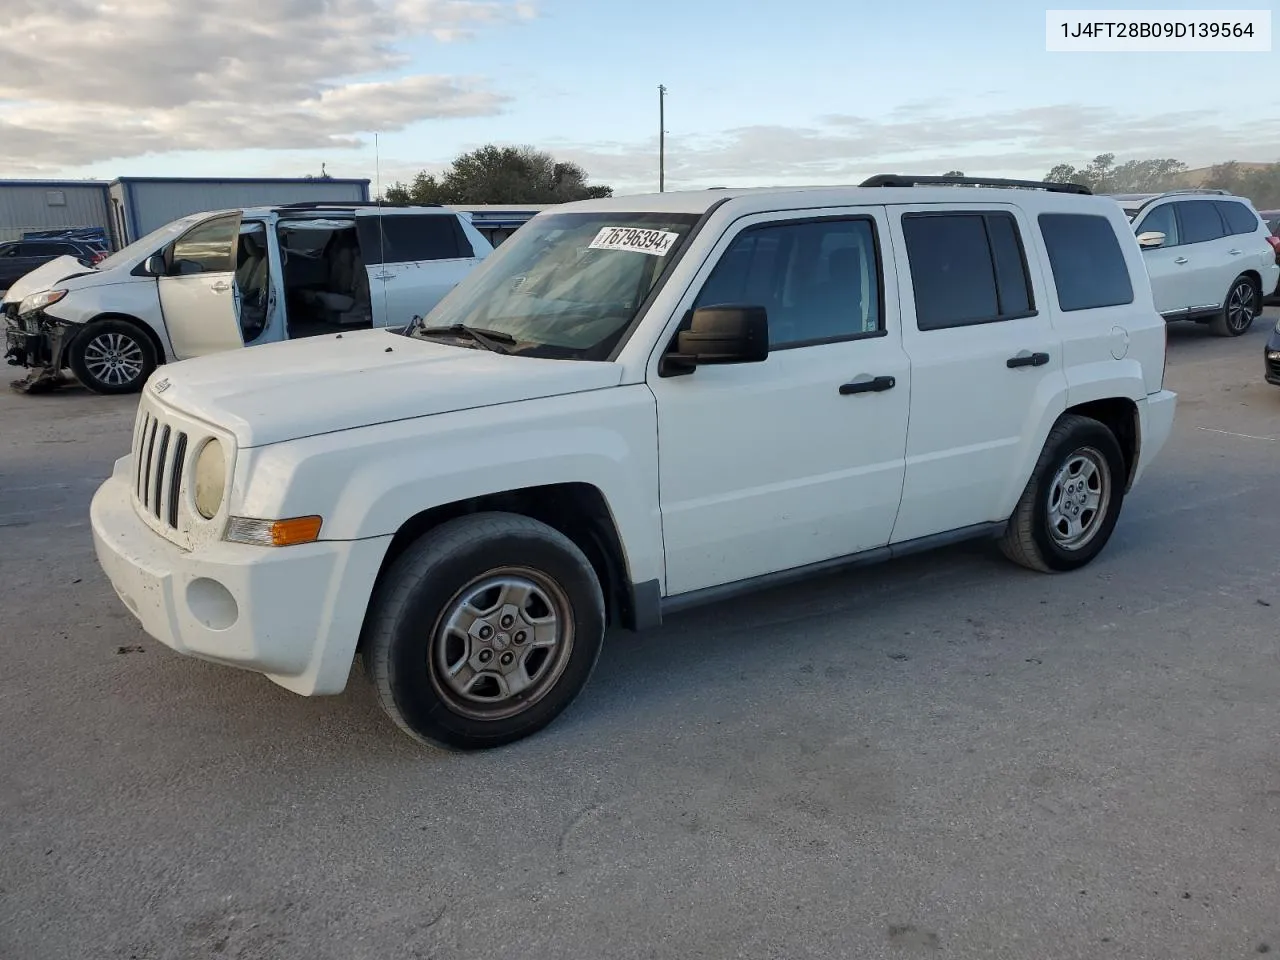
760 92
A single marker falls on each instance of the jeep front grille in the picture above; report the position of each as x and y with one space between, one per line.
159 457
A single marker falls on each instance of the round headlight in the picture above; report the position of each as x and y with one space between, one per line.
211 479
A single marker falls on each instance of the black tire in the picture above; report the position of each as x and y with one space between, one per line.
1030 538
1239 309
112 357
408 652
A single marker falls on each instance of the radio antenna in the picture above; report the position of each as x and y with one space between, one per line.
382 234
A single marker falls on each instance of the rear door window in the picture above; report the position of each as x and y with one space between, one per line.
407 238
1089 268
41 249
966 268
1200 221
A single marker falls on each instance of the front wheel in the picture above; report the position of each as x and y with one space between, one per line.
1242 305
483 631
1071 503
112 356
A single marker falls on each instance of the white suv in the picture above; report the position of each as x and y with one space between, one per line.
1207 254
636 405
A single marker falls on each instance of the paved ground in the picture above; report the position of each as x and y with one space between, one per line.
946 756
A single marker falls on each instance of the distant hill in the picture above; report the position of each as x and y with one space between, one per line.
1196 177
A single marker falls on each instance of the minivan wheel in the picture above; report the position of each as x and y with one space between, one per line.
483 631
112 356
1238 312
1071 503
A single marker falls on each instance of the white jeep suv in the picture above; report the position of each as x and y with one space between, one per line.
1208 256
636 405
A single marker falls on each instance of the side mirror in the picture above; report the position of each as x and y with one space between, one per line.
717 335
1152 238
154 265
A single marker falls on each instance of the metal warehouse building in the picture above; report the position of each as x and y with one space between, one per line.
28 205
131 207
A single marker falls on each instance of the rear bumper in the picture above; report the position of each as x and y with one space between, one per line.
291 613
1155 423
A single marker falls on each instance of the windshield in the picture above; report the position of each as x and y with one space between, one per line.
566 285
148 244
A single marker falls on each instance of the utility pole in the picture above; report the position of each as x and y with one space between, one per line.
662 139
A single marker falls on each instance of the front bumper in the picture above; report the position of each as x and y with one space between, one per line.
1155 423
291 613
1271 358
32 342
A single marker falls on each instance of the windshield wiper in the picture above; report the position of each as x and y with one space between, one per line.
492 340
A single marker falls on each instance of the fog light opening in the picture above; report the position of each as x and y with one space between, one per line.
212 604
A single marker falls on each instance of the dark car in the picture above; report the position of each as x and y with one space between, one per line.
1271 356
1272 220
20 257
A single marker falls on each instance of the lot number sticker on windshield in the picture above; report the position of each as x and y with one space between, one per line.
657 243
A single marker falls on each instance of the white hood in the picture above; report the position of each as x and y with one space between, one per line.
45 277
284 391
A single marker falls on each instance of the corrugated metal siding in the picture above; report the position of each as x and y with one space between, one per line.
155 204
26 207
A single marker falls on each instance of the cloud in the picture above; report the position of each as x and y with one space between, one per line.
148 76
917 138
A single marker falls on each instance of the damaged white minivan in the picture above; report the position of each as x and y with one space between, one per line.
215 281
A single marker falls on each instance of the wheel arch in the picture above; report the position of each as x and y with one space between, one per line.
1120 416
128 318
578 510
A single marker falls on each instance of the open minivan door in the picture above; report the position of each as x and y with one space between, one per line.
196 279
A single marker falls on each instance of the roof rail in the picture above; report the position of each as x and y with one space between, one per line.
907 180
344 204
1220 193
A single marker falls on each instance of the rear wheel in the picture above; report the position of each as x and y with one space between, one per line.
112 356
1071 503
484 630
1242 305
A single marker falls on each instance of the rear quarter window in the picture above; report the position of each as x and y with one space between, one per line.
1240 219
1088 266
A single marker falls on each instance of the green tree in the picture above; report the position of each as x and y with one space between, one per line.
1101 175
1260 183
954 173
495 174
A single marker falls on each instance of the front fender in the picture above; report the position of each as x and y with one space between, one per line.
136 298
368 482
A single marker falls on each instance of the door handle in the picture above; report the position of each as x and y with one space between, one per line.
1026 359
1180 260
870 385
222 286
1235 253
384 276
